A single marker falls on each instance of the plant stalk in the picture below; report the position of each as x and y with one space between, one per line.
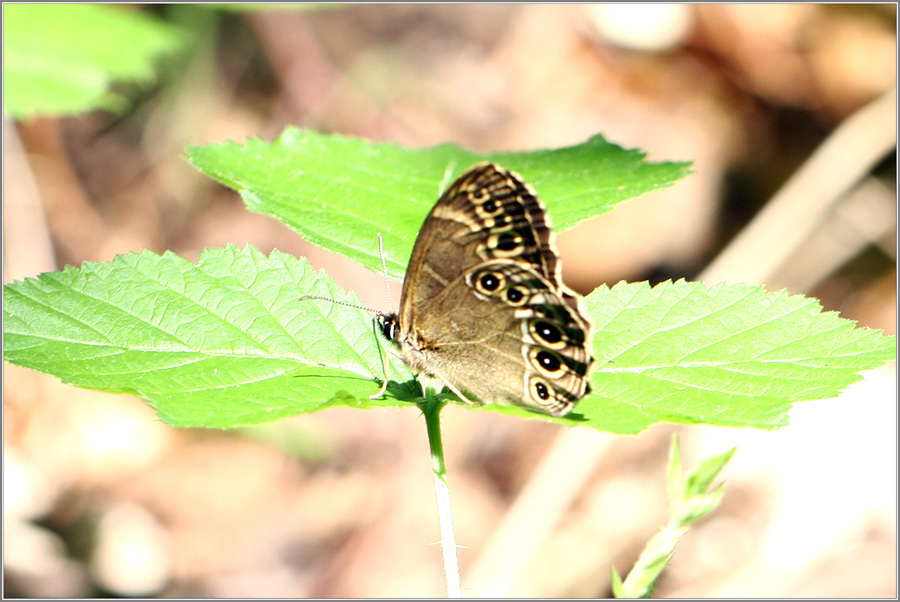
431 407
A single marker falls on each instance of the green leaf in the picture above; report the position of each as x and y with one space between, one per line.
60 59
689 496
339 193
698 481
228 342
729 355
218 344
675 485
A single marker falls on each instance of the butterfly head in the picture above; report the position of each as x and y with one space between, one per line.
389 326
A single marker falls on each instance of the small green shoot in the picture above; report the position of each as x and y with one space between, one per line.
690 499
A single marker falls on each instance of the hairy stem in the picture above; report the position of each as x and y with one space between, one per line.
431 407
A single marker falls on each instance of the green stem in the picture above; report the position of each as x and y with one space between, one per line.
431 407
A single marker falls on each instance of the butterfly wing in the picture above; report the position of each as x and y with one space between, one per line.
503 333
487 213
483 306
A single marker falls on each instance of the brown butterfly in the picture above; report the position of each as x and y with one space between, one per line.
483 308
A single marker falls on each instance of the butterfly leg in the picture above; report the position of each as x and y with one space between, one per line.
380 391
384 359
384 383
450 386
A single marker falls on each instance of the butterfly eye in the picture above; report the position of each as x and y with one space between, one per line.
508 242
548 361
554 402
517 295
388 325
479 196
488 282
546 332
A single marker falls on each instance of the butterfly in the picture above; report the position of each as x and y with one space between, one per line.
483 308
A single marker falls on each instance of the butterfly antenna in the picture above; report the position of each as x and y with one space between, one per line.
387 283
344 303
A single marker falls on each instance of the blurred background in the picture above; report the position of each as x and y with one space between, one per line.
789 115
